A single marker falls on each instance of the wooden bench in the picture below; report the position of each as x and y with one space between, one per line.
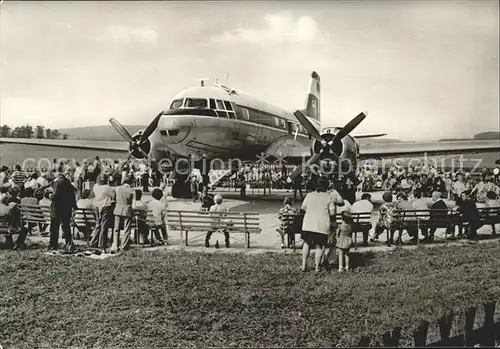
489 216
85 220
427 219
35 214
202 221
142 217
4 225
361 224
447 218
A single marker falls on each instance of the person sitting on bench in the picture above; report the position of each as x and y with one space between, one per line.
468 214
13 213
217 221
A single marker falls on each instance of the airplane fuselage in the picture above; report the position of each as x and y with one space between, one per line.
217 122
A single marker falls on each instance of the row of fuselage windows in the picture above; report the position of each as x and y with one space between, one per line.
230 110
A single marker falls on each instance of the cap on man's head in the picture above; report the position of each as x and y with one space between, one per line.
387 196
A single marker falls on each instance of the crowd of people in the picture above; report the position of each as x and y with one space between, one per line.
320 230
98 185
424 178
108 189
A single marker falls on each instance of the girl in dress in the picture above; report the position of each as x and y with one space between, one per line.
344 240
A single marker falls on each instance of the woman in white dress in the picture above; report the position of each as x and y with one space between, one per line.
319 217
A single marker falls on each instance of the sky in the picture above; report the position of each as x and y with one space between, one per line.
422 70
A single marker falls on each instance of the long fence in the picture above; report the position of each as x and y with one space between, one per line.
488 335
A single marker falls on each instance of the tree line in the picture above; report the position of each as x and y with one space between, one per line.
28 131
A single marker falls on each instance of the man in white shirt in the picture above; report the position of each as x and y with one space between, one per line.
420 204
336 200
103 200
158 206
46 199
362 206
459 186
42 180
217 208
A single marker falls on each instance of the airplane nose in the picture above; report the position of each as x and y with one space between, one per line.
173 130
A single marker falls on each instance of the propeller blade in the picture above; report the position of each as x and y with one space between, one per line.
296 133
151 128
299 169
351 125
121 130
307 125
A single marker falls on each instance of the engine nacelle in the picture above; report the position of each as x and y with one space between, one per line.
146 146
325 149
345 149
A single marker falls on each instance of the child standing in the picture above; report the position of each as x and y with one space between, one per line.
344 240
286 222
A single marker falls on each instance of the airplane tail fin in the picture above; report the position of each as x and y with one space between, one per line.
313 98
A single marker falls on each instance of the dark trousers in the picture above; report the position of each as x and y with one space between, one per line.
23 232
268 186
143 230
100 235
145 183
209 234
470 230
432 231
160 233
55 222
295 193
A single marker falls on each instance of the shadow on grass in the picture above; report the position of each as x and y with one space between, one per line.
359 260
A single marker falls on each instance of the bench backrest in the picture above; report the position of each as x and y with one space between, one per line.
233 221
4 224
143 216
489 211
357 218
85 217
437 218
35 214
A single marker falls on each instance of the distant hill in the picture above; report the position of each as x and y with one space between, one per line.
454 139
378 140
492 135
487 135
102 133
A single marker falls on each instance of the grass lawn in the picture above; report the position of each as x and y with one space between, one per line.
160 299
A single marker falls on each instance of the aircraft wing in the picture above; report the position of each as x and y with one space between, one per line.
117 146
418 149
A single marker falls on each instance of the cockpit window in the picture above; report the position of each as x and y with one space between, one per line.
176 104
212 103
228 105
196 103
220 105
